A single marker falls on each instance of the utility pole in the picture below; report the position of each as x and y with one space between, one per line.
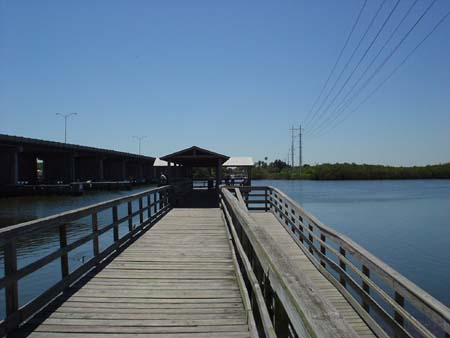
300 149
139 138
292 149
65 116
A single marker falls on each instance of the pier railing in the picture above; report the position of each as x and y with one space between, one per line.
151 205
388 302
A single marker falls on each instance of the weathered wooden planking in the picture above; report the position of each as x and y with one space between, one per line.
177 280
284 242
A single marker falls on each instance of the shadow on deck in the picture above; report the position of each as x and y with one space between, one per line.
199 198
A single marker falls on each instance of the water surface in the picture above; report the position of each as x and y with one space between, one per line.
405 223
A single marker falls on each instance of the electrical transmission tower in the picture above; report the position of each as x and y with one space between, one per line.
292 148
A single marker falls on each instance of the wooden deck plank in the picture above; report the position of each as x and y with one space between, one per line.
177 280
321 285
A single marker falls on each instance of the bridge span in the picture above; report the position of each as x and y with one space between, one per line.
67 163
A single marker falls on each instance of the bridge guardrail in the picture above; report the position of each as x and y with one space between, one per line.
152 205
390 304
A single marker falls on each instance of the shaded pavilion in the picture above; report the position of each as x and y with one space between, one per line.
180 163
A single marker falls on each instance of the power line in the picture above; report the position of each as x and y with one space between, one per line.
337 61
317 113
363 56
380 66
376 56
394 70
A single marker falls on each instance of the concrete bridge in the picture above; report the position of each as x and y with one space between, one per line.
67 163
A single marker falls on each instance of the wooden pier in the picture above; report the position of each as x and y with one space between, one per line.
256 265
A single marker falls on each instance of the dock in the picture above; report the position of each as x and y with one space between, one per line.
224 261
186 288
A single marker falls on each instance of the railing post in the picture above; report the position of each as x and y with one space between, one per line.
365 287
94 230
281 324
300 228
323 250
64 256
342 265
160 200
115 223
265 200
11 290
401 301
149 210
311 238
141 213
155 205
130 218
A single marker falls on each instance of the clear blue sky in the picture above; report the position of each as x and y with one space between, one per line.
231 76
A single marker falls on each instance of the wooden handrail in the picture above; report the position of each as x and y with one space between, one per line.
291 311
314 238
15 314
13 231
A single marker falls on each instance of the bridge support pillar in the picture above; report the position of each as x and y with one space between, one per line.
101 173
59 168
89 169
114 169
27 168
124 170
9 170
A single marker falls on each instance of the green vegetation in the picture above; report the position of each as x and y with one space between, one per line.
348 171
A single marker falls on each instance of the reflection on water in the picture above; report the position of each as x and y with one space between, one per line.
14 210
404 223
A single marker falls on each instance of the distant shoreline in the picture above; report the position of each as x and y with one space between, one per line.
350 171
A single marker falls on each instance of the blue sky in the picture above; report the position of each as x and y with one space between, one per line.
231 76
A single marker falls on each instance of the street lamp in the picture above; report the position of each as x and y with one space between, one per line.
65 123
139 138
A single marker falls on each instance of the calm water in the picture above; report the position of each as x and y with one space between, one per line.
405 223
29 249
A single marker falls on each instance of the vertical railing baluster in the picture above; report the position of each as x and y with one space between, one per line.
141 213
300 228
366 288
115 223
11 290
94 230
401 301
343 266
281 324
130 217
265 200
160 199
155 205
311 238
149 209
323 249
64 255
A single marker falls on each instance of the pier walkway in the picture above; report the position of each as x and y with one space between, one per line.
254 265
177 280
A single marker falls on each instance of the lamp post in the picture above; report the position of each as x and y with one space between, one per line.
65 116
139 138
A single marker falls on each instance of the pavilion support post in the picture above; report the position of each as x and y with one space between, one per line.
169 172
218 173
249 175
